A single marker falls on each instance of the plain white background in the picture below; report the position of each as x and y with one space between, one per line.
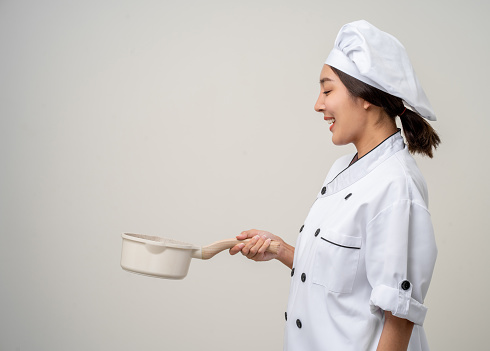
194 120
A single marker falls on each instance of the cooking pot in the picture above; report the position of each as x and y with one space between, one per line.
166 258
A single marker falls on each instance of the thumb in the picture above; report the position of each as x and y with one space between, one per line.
246 234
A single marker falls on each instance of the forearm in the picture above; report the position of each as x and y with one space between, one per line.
286 254
396 334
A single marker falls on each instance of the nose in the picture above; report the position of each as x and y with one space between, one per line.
319 105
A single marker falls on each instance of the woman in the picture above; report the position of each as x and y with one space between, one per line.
366 251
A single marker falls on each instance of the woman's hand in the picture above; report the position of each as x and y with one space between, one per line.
256 248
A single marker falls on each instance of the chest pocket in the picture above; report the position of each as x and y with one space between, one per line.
336 261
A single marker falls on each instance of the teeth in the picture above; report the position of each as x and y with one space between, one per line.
331 120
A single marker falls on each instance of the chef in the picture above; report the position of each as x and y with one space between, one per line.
365 254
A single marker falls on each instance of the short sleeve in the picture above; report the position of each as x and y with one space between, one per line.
400 258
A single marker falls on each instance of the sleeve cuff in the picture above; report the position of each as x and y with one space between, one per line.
398 301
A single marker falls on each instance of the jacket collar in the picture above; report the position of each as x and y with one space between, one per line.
365 164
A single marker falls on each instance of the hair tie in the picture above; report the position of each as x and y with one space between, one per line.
400 114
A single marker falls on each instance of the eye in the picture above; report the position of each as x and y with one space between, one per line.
326 92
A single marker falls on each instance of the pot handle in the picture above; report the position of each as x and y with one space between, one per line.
215 248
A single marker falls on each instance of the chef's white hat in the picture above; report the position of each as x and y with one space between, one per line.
377 58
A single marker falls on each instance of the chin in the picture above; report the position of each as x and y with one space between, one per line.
338 142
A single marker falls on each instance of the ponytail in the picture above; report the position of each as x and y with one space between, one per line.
419 134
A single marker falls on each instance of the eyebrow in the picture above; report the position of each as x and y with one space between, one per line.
326 79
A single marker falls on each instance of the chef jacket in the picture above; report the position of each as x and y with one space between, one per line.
367 246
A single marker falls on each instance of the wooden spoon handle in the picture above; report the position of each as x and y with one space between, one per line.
211 250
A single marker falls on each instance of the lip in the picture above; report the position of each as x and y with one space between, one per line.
326 118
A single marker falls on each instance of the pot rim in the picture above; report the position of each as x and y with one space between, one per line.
158 241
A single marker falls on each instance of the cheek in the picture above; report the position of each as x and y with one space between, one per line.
331 108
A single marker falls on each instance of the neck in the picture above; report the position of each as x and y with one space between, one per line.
375 135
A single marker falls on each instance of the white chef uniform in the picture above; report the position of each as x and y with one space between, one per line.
367 246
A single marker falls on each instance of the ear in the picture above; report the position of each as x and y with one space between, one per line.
366 104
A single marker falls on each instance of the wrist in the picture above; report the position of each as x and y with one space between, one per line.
286 254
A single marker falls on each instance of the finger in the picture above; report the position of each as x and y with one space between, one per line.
249 245
236 249
242 236
259 241
264 247
247 234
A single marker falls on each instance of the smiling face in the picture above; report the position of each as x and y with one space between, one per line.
347 114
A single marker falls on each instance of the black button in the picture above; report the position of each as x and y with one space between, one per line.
298 323
303 277
301 229
292 272
405 285
317 232
324 189
286 315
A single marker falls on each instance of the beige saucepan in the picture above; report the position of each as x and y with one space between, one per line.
167 258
